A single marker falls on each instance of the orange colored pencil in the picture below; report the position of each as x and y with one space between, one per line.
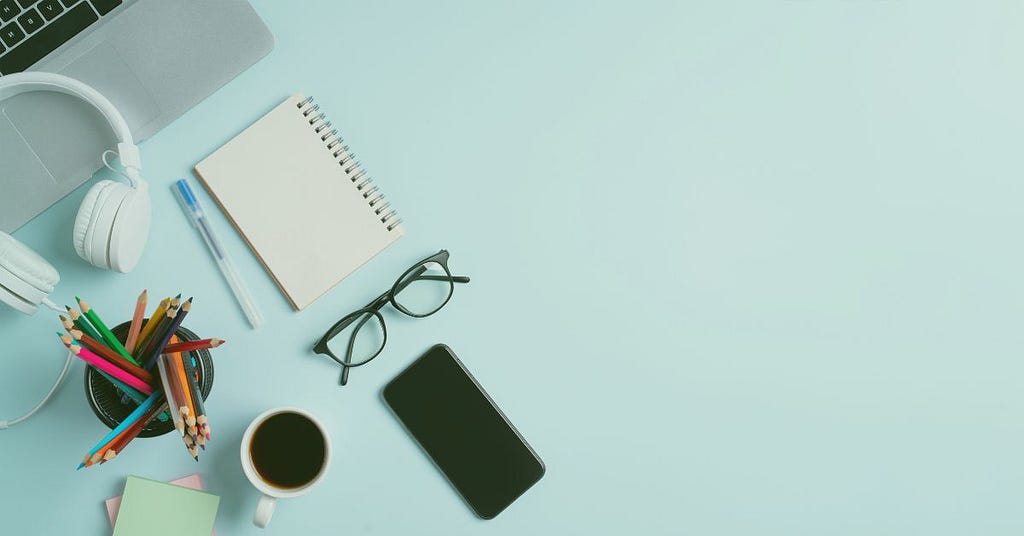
181 397
105 352
179 368
136 326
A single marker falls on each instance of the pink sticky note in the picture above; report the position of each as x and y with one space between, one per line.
192 481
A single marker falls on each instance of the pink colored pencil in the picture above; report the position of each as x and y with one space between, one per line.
106 366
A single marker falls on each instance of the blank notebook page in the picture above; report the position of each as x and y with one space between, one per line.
297 202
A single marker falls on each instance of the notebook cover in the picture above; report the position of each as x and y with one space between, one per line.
285 192
193 481
151 508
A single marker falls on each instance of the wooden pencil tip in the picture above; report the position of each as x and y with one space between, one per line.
68 307
178 297
81 465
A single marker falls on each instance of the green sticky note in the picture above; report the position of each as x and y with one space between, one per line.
151 508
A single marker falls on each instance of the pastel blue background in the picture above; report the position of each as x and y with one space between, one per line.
738 268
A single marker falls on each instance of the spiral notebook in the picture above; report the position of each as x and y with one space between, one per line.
295 192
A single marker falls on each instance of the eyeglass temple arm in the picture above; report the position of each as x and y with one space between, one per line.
419 277
348 352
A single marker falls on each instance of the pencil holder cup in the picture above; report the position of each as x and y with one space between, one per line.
106 400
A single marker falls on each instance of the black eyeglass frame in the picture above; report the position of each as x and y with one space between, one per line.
372 310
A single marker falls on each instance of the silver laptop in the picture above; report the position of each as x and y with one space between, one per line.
154 59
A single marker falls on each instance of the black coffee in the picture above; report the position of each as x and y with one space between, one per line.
287 450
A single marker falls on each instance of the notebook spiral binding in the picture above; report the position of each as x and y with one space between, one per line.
352 167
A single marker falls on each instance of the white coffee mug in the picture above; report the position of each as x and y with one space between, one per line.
271 493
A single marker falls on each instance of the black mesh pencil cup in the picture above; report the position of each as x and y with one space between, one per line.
106 400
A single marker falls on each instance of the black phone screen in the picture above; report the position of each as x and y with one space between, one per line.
463 431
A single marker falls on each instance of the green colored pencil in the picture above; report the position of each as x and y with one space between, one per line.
82 324
108 336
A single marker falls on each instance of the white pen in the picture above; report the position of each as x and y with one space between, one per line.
195 214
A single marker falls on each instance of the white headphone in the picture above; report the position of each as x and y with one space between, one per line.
112 226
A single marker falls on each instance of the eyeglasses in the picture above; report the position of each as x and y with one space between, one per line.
359 337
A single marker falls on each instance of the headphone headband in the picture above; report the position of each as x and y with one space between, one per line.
18 83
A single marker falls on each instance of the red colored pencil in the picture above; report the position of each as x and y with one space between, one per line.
190 346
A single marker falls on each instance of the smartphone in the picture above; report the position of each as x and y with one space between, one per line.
463 431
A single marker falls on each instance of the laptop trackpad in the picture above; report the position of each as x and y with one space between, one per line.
109 74
25 177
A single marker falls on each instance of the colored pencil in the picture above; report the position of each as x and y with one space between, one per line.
82 324
171 330
146 348
136 326
101 364
117 445
191 346
181 401
150 324
69 326
127 422
165 380
179 367
104 331
99 349
197 395
189 432
132 393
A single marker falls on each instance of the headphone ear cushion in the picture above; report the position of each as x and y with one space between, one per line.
25 265
96 216
129 232
84 218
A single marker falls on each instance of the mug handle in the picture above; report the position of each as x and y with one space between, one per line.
264 511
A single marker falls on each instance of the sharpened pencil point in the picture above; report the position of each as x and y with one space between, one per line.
81 465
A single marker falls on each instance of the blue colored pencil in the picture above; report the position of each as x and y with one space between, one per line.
128 421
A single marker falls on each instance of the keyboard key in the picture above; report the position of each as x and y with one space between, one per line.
27 3
31 21
11 35
50 9
105 6
8 10
46 40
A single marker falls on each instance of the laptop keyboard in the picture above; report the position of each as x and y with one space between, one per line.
31 29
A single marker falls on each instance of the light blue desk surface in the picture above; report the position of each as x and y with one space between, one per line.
738 268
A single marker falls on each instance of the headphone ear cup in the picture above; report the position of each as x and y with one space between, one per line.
129 231
82 236
26 279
